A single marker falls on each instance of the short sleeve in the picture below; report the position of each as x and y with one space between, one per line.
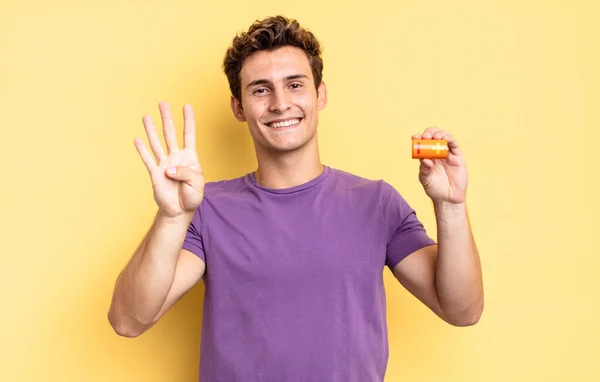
405 233
193 241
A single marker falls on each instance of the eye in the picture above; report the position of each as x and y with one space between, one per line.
260 91
296 85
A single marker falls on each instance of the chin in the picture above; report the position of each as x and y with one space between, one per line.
287 147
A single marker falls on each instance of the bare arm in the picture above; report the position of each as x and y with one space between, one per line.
156 277
160 272
458 276
447 277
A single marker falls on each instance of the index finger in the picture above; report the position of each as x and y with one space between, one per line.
429 132
189 127
452 143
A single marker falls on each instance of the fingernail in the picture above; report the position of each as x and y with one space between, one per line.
171 170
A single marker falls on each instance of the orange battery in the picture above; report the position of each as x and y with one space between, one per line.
429 149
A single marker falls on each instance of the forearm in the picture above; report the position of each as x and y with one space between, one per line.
143 286
458 271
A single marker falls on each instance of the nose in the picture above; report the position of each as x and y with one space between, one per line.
280 101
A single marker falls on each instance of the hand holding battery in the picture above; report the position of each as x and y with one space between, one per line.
443 171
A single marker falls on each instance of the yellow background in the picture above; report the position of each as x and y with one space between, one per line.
516 82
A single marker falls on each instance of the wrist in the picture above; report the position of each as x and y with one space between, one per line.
449 209
183 218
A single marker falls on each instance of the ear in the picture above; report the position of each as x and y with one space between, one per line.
237 110
322 96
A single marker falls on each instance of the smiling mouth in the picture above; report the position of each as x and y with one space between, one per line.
286 123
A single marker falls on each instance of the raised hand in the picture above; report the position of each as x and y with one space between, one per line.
444 180
177 177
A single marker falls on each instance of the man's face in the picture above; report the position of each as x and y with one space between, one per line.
279 100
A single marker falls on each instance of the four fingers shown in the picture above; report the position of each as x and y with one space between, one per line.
189 132
189 138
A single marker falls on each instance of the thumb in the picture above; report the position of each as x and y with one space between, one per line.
426 166
191 175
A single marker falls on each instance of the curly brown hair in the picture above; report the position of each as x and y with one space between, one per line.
269 34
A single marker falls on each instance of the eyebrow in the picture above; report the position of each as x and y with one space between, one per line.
266 82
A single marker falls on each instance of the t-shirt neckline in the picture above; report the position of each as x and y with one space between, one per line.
311 183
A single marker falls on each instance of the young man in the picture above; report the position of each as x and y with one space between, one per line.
292 255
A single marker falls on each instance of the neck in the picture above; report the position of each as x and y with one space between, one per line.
289 169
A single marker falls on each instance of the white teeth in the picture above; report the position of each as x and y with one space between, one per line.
285 123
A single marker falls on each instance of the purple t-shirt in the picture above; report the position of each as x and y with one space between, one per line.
294 277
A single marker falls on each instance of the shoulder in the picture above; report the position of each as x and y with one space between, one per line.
345 181
377 193
348 180
220 194
226 187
